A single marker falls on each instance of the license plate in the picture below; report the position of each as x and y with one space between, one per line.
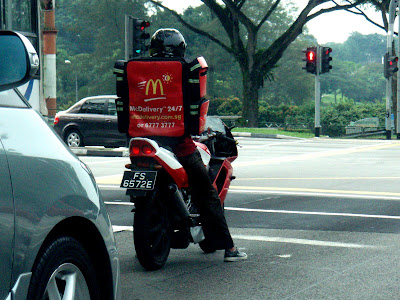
139 180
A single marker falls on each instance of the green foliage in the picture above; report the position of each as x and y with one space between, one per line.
359 48
230 106
91 37
357 68
334 117
290 84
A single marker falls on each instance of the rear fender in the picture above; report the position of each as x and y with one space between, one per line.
167 160
204 152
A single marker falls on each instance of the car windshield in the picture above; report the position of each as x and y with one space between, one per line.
215 124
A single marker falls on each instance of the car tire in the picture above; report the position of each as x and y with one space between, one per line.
73 138
64 268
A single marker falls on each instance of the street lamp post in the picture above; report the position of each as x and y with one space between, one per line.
67 61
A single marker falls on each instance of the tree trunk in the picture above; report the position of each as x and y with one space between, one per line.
250 102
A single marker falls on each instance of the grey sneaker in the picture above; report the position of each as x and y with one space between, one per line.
235 255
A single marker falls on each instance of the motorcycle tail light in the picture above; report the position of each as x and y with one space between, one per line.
147 149
141 148
135 150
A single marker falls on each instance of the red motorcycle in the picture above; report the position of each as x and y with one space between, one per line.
165 217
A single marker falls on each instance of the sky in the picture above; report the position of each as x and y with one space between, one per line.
330 27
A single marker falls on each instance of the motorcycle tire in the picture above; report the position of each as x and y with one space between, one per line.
152 233
206 247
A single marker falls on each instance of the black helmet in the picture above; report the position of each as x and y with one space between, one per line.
167 42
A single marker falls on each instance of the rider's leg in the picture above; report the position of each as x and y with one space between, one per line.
207 199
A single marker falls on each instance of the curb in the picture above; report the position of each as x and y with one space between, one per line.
264 135
103 152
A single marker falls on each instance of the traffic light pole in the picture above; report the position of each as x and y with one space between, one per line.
398 93
389 79
317 62
318 94
128 37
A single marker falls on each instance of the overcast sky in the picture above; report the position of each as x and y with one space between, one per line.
330 27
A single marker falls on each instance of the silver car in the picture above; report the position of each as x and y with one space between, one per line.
56 239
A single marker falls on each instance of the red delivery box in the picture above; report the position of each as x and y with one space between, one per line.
155 98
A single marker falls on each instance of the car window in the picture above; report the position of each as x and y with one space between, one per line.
74 109
10 98
95 106
112 110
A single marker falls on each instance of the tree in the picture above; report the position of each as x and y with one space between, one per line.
359 48
91 36
242 37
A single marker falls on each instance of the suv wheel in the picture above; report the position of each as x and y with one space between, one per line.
73 138
64 271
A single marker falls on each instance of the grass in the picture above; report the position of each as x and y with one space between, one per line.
275 131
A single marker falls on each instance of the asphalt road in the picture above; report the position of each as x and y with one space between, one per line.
319 219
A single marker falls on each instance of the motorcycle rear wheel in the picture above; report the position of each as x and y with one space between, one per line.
207 247
152 233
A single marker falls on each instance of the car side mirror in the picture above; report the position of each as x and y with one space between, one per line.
18 60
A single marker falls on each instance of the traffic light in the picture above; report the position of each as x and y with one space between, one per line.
311 60
326 59
390 65
140 36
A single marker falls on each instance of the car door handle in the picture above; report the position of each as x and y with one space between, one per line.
108 120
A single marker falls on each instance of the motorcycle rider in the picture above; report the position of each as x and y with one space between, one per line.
170 43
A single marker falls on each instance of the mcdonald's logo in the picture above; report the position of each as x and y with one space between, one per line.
154 84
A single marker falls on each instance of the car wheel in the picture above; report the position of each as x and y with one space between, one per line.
73 138
64 271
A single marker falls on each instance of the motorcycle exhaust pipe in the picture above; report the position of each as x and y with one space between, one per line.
182 213
177 203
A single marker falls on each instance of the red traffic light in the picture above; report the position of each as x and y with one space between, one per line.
311 55
327 50
310 59
394 60
144 25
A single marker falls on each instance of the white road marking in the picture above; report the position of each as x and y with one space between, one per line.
300 241
278 240
117 228
317 213
294 212
316 192
119 202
